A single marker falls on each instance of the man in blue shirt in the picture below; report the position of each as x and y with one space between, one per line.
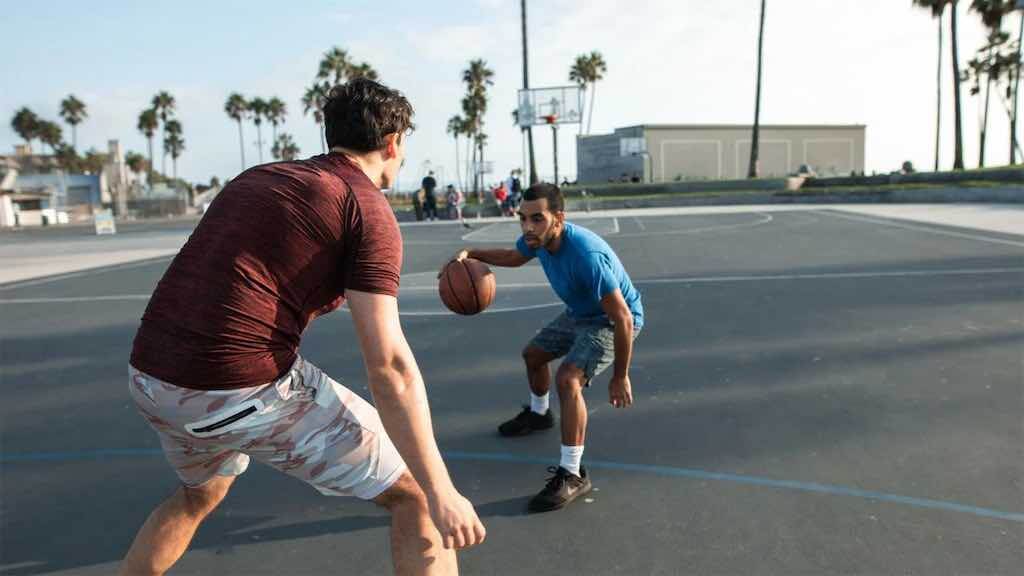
602 317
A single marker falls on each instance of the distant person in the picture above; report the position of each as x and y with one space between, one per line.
417 203
501 198
215 367
603 315
515 191
429 184
456 202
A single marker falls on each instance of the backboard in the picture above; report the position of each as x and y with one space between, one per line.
556 105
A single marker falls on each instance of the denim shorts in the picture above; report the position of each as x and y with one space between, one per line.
588 344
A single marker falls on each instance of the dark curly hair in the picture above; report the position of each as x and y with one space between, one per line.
359 113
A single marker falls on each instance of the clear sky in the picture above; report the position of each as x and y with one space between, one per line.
867 62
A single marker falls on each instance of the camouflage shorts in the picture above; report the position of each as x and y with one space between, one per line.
304 424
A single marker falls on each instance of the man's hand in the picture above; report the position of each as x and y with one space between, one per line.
460 255
620 392
456 520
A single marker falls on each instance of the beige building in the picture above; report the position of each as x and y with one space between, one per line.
680 152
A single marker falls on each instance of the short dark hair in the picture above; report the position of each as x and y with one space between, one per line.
359 113
549 192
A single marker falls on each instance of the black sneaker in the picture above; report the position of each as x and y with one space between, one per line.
527 421
562 488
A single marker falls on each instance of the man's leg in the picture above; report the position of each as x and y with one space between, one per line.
537 372
169 529
570 480
570 381
416 546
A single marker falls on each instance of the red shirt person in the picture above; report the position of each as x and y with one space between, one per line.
215 367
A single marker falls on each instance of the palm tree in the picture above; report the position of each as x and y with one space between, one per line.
754 169
275 113
26 124
72 110
236 108
164 105
477 78
148 123
578 74
596 68
284 148
937 7
174 143
455 125
50 134
136 162
258 108
313 101
335 65
363 70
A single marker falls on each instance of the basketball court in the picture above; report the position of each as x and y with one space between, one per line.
817 390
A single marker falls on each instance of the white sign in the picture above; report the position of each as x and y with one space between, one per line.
104 221
632 146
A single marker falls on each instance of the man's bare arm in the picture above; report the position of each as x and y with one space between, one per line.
400 397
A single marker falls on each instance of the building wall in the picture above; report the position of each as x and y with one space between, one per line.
680 153
723 152
598 158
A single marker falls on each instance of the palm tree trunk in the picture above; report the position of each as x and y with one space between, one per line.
241 143
590 115
74 137
1016 86
753 171
984 120
958 146
163 155
149 169
259 143
938 101
323 137
526 85
583 104
470 159
174 165
458 164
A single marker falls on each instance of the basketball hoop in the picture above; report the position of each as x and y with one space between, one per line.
551 118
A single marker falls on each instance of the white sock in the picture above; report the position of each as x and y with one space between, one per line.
571 456
538 404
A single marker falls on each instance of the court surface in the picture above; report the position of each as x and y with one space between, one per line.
817 391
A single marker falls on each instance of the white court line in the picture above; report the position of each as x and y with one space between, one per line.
64 299
467 236
926 229
641 282
88 272
639 224
615 222
765 218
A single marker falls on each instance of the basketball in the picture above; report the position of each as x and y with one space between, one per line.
466 286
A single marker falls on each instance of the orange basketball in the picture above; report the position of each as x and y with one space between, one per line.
466 286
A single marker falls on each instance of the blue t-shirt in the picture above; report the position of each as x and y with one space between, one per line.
583 271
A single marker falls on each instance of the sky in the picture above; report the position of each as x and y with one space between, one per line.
870 62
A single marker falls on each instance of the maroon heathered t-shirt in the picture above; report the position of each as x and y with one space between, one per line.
278 247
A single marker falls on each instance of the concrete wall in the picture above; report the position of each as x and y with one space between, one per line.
716 152
723 152
598 158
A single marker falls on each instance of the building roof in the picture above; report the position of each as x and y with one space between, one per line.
743 126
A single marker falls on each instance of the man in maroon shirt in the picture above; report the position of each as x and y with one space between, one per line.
215 368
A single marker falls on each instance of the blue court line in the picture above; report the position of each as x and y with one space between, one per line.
670 471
